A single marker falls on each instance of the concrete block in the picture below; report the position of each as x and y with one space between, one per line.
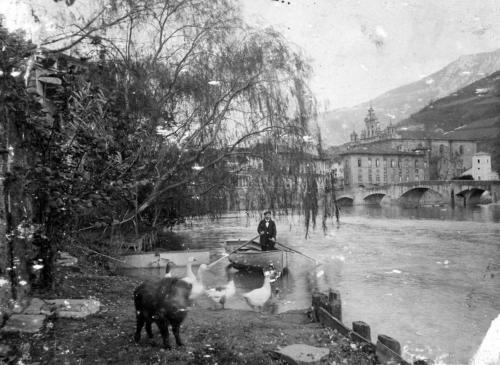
75 308
24 323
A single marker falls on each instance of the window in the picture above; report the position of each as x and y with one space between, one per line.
441 149
416 163
461 149
385 162
478 161
399 163
392 163
377 162
369 162
359 162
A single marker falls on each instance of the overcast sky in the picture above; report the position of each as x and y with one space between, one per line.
362 48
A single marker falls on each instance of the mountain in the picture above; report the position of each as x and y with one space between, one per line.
398 104
470 112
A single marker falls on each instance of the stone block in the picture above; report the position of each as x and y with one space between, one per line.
38 306
301 354
24 323
75 308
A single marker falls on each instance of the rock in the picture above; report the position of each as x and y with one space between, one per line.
300 354
65 259
5 350
24 323
75 308
488 352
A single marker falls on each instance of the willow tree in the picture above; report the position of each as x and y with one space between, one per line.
174 92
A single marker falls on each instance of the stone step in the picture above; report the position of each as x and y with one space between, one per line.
24 323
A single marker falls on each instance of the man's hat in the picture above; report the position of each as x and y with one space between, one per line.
267 212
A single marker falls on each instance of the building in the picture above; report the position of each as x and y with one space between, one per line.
448 154
481 167
372 165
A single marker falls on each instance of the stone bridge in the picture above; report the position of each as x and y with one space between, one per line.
416 193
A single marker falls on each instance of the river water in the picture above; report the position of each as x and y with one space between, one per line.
428 277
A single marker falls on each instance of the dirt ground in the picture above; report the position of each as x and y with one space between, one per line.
211 336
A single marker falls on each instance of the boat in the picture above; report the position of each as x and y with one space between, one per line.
252 258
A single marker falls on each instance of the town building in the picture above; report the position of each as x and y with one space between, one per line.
373 165
448 154
481 167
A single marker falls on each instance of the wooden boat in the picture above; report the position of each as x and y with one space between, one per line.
252 258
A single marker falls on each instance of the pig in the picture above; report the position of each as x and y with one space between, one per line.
164 302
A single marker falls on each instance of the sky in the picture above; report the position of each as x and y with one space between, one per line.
360 49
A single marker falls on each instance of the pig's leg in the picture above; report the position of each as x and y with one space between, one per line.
163 326
175 329
148 328
140 323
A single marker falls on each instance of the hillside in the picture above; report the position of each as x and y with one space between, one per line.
400 103
472 111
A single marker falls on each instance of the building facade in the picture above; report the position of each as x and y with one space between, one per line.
481 167
368 165
447 156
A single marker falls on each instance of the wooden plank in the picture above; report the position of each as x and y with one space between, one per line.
328 320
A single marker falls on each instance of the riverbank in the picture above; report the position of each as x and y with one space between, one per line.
211 336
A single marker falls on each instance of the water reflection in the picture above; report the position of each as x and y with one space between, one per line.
477 213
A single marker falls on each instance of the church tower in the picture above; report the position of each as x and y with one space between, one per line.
372 124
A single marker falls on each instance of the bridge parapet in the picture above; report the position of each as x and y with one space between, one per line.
449 190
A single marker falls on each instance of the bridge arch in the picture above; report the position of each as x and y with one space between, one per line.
472 196
345 201
419 196
374 198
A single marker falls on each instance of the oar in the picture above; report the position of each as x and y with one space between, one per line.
316 261
233 251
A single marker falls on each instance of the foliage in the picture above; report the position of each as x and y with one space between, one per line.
147 128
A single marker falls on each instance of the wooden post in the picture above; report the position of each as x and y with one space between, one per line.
388 350
452 199
390 342
335 304
362 329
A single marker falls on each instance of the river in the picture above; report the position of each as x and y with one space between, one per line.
428 277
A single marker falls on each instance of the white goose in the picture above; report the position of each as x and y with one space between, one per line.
258 297
197 285
221 293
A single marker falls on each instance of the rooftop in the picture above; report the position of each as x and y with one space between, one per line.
376 150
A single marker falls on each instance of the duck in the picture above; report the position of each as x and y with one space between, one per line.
221 293
168 269
258 297
197 285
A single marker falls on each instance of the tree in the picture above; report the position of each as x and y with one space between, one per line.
172 93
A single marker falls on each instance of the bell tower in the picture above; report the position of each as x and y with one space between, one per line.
372 124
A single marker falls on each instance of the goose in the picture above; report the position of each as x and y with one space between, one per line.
197 285
221 293
168 269
258 297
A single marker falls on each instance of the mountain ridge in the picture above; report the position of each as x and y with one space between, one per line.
400 103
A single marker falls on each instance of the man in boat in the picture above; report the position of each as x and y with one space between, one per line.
267 232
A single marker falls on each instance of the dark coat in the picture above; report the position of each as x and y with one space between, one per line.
269 232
